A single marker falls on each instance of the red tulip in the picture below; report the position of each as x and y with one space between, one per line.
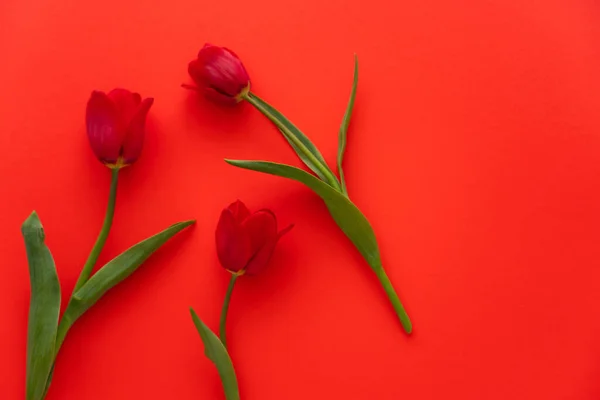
115 126
245 241
219 74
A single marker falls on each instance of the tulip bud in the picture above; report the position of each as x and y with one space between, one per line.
219 74
115 126
245 241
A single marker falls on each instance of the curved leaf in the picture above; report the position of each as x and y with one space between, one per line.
344 127
111 274
44 308
314 160
347 216
217 353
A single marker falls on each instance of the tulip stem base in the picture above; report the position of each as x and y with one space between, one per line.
223 322
391 293
101 240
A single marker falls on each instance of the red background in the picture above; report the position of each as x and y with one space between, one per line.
474 151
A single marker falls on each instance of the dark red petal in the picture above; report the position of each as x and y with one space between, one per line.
239 210
206 45
221 69
219 98
195 72
233 244
104 127
127 103
261 228
285 230
260 260
134 139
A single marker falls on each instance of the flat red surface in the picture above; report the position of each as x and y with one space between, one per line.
474 151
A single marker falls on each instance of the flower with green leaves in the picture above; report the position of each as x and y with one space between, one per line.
115 127
220 75
245 242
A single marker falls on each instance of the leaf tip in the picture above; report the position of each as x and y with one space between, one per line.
32 224
195 319
179 226
32 217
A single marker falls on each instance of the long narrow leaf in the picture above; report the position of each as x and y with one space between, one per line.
311 165
217 353
111 274
344 127
347 216
44 308
314 160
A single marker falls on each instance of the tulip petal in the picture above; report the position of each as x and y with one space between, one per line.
134 138
103 127
285 230
261 228
239 211
221 70
233 244
206 46
216 96
196 71
126 102
261 259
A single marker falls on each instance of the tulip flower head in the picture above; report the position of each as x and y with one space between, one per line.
219 74
246 241
115 126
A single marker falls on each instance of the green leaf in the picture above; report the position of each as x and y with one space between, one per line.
44 308
304 148
308 162
217 353
111 274
347 216
344 127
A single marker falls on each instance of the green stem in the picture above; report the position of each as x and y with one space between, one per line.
101 240
391 293
65 323
223 323
286 131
